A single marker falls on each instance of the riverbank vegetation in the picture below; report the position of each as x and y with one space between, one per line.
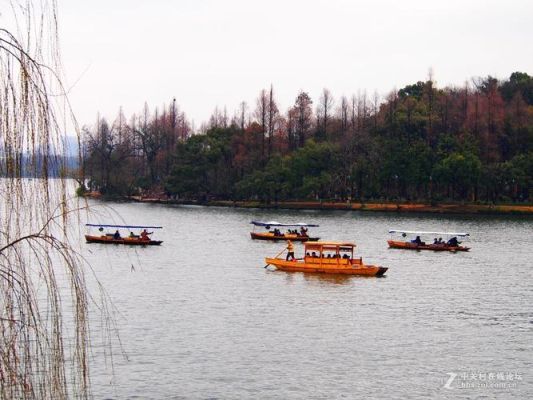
420 143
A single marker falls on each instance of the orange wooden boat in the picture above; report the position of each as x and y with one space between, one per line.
328 258
133 240
452 244
284 236
294 235
396 244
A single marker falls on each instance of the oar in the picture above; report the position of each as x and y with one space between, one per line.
277 255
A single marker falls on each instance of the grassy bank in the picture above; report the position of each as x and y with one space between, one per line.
390 207
497 209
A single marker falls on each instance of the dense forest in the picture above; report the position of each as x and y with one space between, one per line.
420 143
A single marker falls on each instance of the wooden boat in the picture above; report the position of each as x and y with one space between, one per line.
396 244
133 241
276 234
283 236
452 244
115 238
328 258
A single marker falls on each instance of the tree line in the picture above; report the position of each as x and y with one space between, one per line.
419 143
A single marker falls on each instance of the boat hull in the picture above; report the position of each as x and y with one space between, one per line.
327 266
271 236
128 241
396 244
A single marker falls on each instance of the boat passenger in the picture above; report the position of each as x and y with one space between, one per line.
345 256
313 254
290 251
329 255
440 241
417 241
144 235
116 235
303 231
435 241
453 242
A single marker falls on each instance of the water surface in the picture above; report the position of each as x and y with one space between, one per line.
200 318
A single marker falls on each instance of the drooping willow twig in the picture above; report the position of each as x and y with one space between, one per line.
44 299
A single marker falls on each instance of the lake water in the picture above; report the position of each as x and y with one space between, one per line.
200 318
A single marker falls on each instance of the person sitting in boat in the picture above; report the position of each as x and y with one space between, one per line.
453 242
290 251
313 254
435 241
145 235
303 231
417 241
116 235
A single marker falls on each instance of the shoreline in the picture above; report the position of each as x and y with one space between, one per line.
444 208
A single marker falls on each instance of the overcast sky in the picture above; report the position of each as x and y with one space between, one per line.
209 53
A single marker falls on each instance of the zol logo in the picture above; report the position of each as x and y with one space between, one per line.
448 384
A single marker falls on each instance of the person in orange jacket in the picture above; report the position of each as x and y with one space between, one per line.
144 235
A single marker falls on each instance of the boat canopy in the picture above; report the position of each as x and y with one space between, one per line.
275 223
429 233
320 246
124 226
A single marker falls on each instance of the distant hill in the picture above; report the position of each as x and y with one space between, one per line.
70 146
65 158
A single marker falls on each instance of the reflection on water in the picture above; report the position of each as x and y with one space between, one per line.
321 278
201 318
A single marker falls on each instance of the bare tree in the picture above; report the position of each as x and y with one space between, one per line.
261 113
324 110
242 116
225 118
353 114
273 115
151 139
343 110
303 115
430 92
375 108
